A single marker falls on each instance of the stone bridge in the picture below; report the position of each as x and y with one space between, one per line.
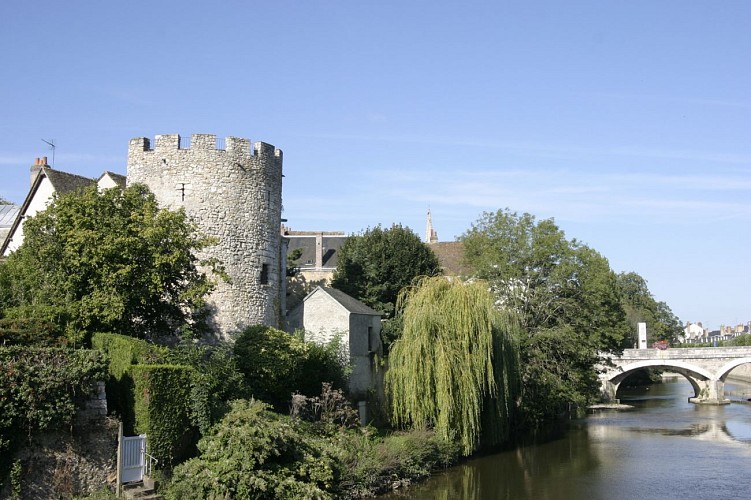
705 368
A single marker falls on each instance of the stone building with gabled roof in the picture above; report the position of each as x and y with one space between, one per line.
326 313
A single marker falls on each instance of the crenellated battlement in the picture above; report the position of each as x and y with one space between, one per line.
203 142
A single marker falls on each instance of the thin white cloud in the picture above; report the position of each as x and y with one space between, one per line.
576 195
550 150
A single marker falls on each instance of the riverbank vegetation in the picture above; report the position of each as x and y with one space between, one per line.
472 359
567 299
741 340
455 368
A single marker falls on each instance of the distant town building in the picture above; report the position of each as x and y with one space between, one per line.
318 257
695 333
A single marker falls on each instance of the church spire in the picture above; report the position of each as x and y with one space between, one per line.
430 235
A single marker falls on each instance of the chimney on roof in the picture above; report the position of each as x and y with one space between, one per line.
37 167
319 250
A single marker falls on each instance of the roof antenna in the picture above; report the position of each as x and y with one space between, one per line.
51 144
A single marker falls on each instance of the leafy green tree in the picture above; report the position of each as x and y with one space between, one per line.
292 257
739 341
3 201
455 368
641 307
375 265
111 261
566 296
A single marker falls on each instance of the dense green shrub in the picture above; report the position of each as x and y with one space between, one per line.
215 381
739 341
25 331
323 363
255 453
124 351
162 399
270 360
276 364
372 464
204 391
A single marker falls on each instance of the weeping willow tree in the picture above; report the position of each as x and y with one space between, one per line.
455 367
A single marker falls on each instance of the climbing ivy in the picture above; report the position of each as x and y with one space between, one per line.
39 389
162 410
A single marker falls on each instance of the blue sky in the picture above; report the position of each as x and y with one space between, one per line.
627 122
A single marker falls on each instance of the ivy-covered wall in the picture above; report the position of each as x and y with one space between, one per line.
162 406
39 389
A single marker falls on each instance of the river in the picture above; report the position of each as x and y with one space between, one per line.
664 448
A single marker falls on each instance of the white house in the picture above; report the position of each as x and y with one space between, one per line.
45 182
326 313
695 332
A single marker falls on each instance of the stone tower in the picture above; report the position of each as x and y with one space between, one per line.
233 192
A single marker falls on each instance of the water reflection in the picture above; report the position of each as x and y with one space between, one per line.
541 471
664 448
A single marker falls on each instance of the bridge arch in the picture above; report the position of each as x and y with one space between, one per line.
725 369
694 374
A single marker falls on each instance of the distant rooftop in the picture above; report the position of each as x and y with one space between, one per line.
8 214
307 243
451 257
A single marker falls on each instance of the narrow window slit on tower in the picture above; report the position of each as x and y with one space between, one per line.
264 274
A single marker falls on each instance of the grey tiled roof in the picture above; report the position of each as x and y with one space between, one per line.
331 246
8 214
64 182
350 303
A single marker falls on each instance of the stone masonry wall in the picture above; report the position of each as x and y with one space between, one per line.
233 193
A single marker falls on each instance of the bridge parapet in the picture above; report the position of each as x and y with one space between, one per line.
689 353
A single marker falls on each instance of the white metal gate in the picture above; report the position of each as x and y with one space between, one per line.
133 458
